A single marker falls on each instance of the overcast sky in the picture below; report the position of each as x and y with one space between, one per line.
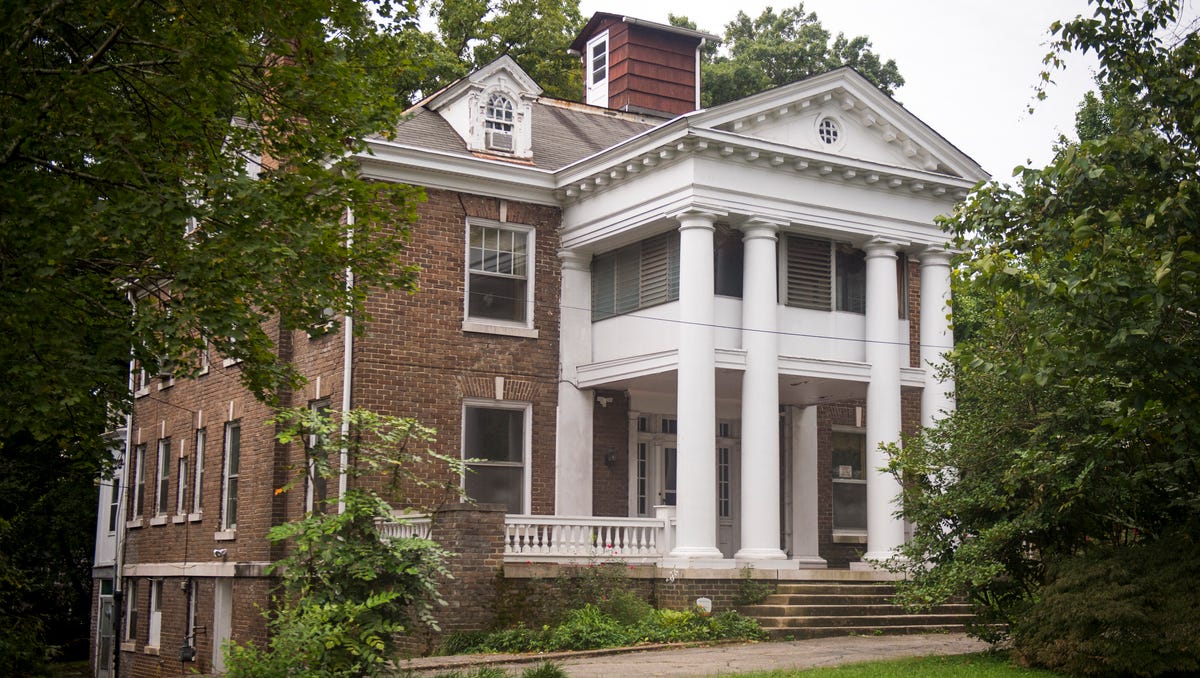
970 66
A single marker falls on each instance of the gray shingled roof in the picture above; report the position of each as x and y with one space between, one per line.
563 132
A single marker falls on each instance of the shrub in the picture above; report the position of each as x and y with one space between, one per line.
750 592
625 606
1118 610
588 628
546 670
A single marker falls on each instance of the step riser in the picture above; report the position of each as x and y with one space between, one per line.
843 610
905 620
804 634
836 589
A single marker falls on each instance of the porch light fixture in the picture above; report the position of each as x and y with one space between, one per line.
610 457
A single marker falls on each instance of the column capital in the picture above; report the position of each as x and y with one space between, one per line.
881 247
935 255
577 261
761 227
696 217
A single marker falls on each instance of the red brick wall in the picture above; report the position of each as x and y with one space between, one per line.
416 360
610 435
914 312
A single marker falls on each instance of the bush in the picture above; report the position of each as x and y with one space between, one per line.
1118 611
546 670
588 628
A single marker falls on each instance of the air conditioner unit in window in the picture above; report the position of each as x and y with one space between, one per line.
499 141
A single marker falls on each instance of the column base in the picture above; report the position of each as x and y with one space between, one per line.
686 553
810 563
874 560
759 554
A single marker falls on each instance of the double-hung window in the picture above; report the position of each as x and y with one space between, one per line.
499 274
131 609
164 477
849 465
137 500
229 485
154 637
198 474
498 123
496 439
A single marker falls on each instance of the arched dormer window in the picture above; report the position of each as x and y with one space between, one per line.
498 121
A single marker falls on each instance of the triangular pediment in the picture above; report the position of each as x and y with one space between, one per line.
842 114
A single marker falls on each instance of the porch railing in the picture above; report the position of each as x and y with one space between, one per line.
565 538
405 525
554 538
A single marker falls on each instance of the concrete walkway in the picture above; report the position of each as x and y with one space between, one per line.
715 660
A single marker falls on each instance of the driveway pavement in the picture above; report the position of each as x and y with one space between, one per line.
715 660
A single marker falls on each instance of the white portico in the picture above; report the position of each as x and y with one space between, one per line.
749 266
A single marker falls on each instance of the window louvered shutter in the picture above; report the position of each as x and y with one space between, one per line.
656 270
808 273
602 287
626 275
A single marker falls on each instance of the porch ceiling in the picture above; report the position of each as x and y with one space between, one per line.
793 390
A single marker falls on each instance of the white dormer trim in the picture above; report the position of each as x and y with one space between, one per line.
464 106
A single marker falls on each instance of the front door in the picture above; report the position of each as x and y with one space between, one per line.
656 471
105 632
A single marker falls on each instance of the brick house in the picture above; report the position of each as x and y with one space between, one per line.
679 333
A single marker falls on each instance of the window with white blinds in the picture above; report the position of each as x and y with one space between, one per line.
809 273
637 276
825 275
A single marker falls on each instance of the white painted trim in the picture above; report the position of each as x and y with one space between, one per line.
254 568
527 433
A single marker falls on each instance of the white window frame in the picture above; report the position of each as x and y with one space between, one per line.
181 481
596 84
137 492
311 501
114 503
198 475
154 626
141 379
232 457
848 534
486 325
163 484
131 603
527 443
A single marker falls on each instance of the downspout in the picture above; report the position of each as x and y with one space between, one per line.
119 555
347 366
699 49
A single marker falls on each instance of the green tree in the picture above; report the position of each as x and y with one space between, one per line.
125 124
1078 428
346 591
535 33
775 49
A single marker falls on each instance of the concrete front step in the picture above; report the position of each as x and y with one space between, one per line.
847 610
823 608
874 621
837 589
831 631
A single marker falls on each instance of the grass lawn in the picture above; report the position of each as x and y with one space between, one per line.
981 665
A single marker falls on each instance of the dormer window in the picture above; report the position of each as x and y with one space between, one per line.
498 121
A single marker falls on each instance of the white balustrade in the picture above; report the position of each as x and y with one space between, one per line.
405 525
555 538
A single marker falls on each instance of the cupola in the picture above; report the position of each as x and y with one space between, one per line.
640 66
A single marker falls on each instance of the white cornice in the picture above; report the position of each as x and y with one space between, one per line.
391 161
674 141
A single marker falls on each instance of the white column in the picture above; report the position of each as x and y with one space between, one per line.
760 396
937 337
885 533
696 479
573 462
805 542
